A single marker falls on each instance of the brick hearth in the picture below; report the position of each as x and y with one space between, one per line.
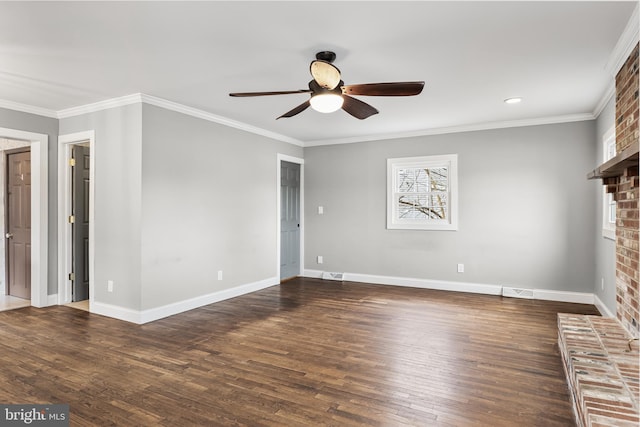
603 375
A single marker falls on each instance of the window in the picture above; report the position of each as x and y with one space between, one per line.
422 193
608 204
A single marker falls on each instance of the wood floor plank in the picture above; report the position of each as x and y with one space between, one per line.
307 352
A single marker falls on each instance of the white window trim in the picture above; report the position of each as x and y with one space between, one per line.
448 160
608 228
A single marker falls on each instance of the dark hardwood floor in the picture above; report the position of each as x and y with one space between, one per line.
305 353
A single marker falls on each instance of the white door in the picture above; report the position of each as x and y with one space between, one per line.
289 220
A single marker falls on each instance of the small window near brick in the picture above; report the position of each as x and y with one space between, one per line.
608 204
422 193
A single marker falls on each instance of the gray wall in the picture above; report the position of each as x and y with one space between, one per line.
209 199
38 124
178 198
117 155
605 249
526 216
524 206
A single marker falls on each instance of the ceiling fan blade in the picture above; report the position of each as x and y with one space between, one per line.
358 109
283 92
384 89
325 74
299 109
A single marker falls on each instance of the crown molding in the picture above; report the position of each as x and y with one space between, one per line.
457 129
16 106
173 106
627 41
604 100
204 115
100 105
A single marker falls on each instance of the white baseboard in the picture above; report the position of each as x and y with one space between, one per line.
478 288
563 296
115 311
314 274
442 285
149 315
178 307
602 308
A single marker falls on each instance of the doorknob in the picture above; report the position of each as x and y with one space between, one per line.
9 235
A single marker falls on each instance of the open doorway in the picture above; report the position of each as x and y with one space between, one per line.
76 160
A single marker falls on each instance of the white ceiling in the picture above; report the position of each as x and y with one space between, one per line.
472 55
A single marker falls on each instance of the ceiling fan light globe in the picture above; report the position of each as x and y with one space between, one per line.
326 102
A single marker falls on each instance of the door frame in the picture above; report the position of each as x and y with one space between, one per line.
39 144
65 238
286 158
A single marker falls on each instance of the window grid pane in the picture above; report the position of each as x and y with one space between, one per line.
612 210
422 193
609 205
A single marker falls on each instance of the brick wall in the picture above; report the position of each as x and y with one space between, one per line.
627 102
626 196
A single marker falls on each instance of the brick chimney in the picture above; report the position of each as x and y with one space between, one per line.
625 189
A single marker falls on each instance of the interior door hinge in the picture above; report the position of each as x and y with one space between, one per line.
72 219
72 276
72 162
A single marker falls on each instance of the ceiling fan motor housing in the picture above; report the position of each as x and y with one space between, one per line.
326 55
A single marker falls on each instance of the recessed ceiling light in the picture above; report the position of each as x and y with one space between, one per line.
513 100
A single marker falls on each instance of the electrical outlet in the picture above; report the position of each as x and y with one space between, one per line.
320 259
602 283
320 210
109 285
460 268
219 274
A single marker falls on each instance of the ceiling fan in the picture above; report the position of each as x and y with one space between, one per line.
329 93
